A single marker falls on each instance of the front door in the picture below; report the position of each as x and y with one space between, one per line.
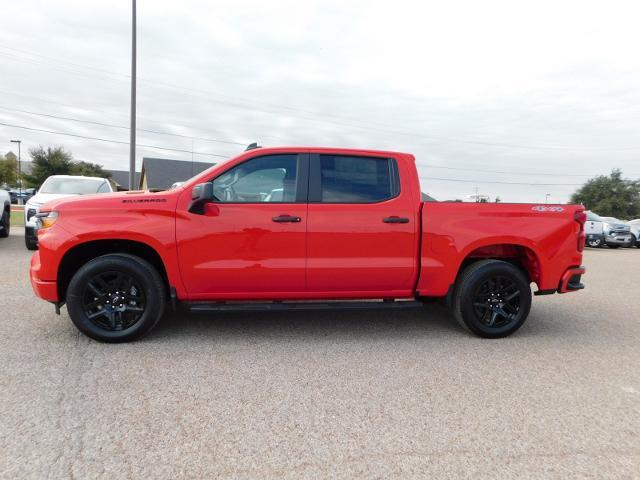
250 242
362 228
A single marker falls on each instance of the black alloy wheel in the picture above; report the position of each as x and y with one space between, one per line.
116 298
492 298
595 242
113 300
497 301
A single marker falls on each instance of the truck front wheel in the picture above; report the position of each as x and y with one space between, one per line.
492 298
30 241
116 298
5 224
595 242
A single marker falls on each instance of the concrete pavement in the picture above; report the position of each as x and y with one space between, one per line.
389 394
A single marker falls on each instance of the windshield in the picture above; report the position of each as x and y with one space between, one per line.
592 217
74 186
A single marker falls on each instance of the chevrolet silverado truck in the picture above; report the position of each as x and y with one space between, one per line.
301 228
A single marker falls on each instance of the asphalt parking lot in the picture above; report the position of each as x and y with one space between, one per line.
314 395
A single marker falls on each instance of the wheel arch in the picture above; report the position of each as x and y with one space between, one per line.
522 256
84 252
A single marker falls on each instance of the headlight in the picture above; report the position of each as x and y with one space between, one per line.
46 219
31 211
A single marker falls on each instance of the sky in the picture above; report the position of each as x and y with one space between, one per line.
521 100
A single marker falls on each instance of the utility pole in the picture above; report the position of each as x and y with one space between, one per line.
546 198
19 168
132 141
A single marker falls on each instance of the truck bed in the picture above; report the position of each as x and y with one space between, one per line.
542 238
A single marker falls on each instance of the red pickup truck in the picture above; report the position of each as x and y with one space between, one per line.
301 228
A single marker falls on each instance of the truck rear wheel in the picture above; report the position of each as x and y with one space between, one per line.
116 298
492 298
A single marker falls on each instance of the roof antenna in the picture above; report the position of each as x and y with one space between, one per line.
252 146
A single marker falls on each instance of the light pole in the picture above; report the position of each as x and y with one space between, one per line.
19 169
546 198
132 141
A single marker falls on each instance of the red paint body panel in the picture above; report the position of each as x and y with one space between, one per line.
236 251
350 248
45 289
240 249
566 278
453 231
148 218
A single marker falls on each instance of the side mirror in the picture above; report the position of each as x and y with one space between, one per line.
200 196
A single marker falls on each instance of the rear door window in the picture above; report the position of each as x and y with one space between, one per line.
346 179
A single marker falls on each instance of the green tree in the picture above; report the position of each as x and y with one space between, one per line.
44 163
58 161
8 170
610 196
88 170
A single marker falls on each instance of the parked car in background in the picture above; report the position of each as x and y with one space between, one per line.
616 233
594 230
53 188
21 196
634 225
5 213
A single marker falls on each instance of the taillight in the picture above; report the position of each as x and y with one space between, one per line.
581 217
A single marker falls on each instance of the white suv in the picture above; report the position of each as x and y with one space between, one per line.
54 187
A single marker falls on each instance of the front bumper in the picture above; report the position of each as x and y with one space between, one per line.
45 289
571 280
621 239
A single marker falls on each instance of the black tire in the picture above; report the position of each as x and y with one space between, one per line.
5 224
93 301
31 242
492 298
595 243
634 241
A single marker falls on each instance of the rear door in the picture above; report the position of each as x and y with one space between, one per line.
362 227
